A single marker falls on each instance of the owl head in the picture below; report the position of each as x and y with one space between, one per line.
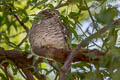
49 13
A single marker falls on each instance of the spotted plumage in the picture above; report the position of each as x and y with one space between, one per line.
49 31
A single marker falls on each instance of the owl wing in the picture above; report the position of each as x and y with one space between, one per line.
66 33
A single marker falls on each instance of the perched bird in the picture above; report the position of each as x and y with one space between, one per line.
49 31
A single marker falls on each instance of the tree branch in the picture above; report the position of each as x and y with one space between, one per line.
25 38
39 76
61 5
84 43
19 20
21 23
87 36
21 60
89 11
28 74
9 76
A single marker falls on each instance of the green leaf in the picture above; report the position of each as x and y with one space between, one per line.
39 3
71 26
80 65
3 76
69 76
35 58
15 25
37 69
75 16
15 70
48 72
74 32
50 6
84 8
26 46
25 19
92 55
105 16
116 75
37 18
56 65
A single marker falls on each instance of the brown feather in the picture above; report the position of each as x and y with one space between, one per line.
49 31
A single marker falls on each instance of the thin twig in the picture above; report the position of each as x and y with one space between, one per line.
84 43
89 11
21 23
92 19
6 73
24 26
19 20
9 76
22 74
11 44
98 73
22 41
56 76
87 36
28 74
61 5
67 64
12 36
39 76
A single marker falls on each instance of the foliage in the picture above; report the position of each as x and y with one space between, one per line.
83 18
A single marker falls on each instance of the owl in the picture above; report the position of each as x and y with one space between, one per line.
49 31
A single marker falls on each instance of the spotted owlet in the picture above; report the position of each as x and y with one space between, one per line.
49 31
